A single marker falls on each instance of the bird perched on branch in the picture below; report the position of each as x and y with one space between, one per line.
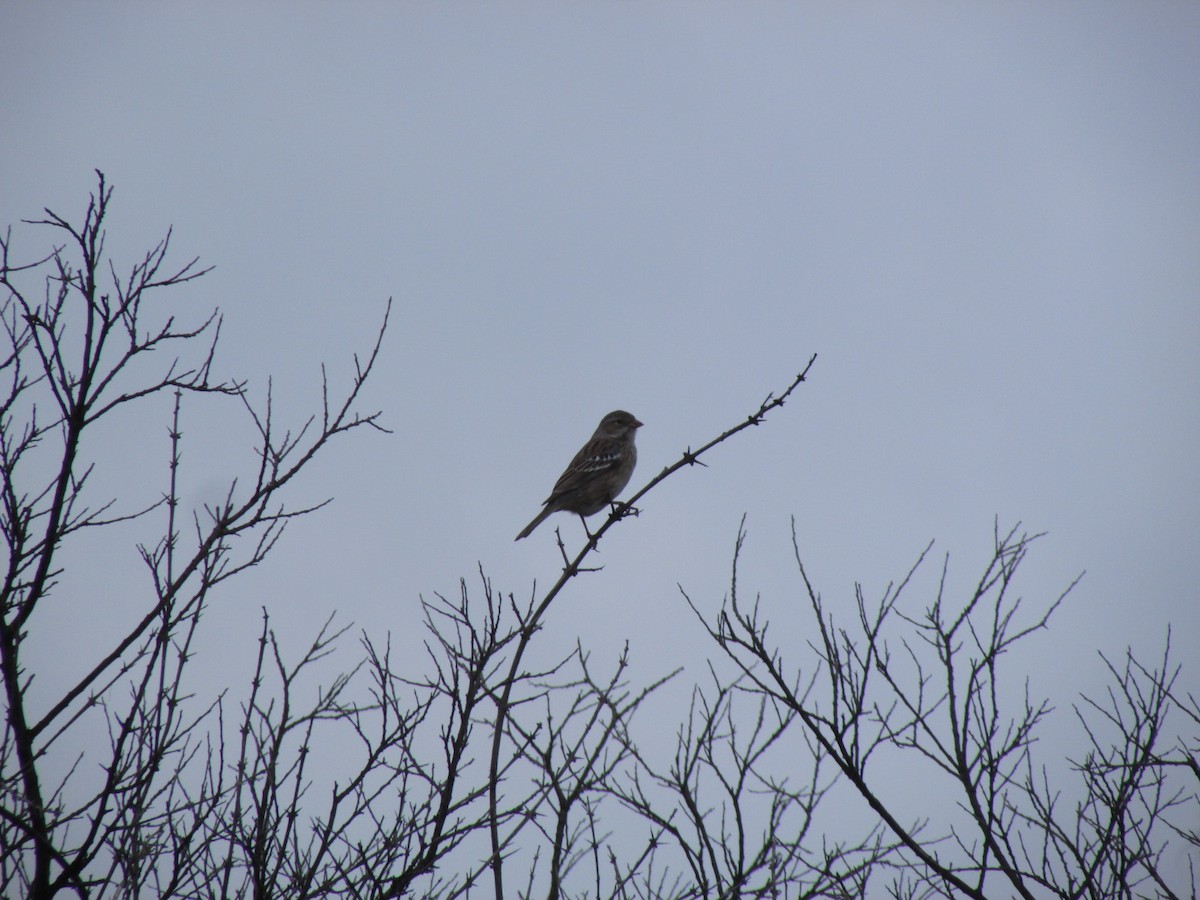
599 471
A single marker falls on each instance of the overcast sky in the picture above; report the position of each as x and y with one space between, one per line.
984 218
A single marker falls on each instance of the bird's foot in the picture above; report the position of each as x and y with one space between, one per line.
621 510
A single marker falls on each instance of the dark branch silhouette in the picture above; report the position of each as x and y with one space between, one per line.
500 763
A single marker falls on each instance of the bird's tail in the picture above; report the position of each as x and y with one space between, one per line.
537 520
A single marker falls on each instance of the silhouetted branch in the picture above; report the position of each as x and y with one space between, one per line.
943 700
574 567
490 759
87 349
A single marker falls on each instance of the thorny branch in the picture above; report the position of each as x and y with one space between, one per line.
531 620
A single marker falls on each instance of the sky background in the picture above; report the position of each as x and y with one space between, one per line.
983 218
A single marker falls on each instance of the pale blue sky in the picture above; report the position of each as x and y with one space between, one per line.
985 218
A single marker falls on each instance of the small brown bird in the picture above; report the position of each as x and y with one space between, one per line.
598 472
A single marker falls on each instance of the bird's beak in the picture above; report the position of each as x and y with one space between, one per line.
637 424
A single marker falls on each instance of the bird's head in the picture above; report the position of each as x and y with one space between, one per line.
618 424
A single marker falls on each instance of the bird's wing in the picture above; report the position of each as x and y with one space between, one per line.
598 457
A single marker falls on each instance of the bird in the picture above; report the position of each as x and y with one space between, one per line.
599 471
